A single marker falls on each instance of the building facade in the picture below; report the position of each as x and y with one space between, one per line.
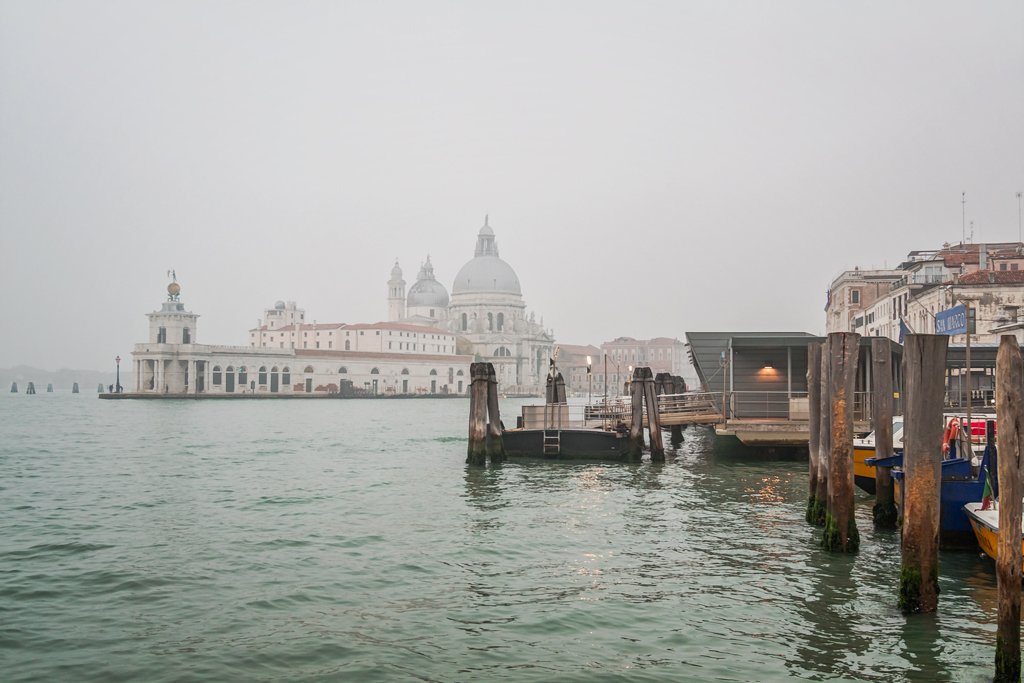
295 357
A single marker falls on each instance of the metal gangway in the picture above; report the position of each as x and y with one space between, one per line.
692 407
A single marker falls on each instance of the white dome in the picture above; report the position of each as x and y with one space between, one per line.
427 293
486 274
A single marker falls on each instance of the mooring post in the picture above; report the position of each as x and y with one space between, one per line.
1010 446
659 384
813 425
549 391
824 438
924 368
99 389
672 388
495 444
653 418
560 389
74 388
14 387
31 388
477 414
884 511
635 448
841 534
49 388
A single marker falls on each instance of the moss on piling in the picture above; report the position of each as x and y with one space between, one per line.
1007 662
820 512
809 516
477 456
910 589
832 539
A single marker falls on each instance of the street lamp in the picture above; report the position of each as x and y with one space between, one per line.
118 385
589 382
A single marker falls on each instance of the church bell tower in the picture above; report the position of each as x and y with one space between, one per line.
396 294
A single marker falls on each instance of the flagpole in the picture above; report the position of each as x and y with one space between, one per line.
970 427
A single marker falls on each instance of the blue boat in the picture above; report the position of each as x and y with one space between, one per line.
959 486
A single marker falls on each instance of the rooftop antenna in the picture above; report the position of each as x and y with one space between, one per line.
963 217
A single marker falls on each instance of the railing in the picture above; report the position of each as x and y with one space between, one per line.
979 398
766 405
691 406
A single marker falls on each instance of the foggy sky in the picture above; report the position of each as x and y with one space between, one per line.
649 168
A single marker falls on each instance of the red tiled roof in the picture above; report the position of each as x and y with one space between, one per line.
999 277
376 355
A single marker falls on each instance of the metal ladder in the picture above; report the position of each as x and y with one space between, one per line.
552 442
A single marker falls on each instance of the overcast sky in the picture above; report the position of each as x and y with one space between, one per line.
649 168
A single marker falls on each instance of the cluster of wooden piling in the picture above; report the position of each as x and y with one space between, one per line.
641 391
484 419
31 388
667 383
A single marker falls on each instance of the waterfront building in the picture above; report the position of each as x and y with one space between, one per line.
572 363
485 311
660 354
286 355
990 278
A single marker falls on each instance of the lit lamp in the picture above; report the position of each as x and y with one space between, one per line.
768 365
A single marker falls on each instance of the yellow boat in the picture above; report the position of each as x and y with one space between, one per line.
864 474
986 527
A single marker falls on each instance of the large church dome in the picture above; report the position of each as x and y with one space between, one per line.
486 272
427 291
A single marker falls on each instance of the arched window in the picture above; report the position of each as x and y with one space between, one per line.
502 351
263 375
501 321
342 370
274 369
286 377
405 371
309 369
230 369
216 374
243 376
186 337
433 372
348 345
375 371
459 373
490 322
465 322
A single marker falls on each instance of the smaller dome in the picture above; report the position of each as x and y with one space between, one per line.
279 305
396 271
427 293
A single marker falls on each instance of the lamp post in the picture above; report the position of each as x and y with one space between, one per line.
605 380
118 385
590 392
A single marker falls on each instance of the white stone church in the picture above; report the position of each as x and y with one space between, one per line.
424 347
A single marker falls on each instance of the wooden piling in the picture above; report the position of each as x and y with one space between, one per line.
824 439
549 391
74 388
884 511
31 388
813 424
477 454
653 418
1010 446
841 535
924 368
495 443
672 388
49 388
14 387
99 389
635 448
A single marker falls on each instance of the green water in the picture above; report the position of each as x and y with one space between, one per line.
348 541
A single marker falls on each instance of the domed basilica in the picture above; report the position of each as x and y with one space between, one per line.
485 311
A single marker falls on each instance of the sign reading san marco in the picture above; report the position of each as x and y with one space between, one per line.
951 321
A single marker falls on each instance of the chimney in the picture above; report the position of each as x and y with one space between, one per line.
982 257
991 277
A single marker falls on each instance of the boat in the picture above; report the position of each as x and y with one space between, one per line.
985 524
962 482
864 449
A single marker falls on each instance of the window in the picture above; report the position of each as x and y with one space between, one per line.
186 336
161 336
216 375
330 345
972 320
375 371
263 376
309 369
318 345
502 351
431 312
501 321
433 372
855 296
1011 313
342 370
305 344
1013 266
405 371
389 345
348 345
286 376
1002 266
490 322
243 376
459 373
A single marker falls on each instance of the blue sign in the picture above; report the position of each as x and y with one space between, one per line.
951 321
